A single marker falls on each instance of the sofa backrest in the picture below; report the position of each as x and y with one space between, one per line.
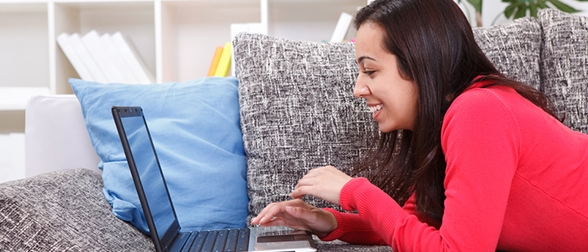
564 65
56 137
514 48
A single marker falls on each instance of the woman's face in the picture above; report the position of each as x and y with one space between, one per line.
391 98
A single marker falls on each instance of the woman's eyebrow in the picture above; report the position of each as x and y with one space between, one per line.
362 58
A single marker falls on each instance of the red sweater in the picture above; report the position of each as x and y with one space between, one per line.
516 179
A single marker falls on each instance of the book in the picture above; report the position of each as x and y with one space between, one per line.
117 58
131 56
75 60
224 64
342 27
215 59
97 74
112 73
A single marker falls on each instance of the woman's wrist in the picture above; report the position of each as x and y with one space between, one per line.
334 234
330 224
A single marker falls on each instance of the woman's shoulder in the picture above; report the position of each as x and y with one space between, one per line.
494 105
497 104
488 97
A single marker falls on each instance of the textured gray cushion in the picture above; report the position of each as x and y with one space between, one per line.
297 112
514 48
63 211
565 65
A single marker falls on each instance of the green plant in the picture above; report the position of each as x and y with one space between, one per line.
522 8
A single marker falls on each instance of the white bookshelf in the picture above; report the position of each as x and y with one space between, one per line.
176 39
308 19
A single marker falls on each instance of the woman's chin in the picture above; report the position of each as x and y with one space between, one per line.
385 128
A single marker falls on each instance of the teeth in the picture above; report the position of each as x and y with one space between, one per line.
375 108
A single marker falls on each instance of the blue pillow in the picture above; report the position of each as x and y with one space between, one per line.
197 136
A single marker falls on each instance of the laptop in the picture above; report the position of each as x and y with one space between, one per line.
162 221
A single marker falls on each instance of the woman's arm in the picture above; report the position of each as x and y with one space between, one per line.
352 229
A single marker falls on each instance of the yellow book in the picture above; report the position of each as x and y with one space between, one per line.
217 55
224 64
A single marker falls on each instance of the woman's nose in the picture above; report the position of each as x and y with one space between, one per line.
360 89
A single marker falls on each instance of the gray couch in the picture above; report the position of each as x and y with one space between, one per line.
297 112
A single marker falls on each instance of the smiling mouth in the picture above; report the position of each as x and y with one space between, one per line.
375 108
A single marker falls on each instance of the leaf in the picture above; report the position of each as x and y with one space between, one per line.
563 7
522 11
509 10
542 4
477 4
522 8
533 9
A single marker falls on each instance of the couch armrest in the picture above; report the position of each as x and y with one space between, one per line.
56 137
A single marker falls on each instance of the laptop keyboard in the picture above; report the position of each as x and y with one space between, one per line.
217 240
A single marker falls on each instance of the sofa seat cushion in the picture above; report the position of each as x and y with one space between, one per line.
63 211
565 65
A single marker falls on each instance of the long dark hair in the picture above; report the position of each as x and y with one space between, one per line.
435 47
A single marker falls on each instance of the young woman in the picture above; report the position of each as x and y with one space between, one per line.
468 159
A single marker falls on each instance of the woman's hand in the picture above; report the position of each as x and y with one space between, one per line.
323 182
298 215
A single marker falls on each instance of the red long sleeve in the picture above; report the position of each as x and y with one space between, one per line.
353 229
515 180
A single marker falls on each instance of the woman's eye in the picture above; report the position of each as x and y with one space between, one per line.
368 73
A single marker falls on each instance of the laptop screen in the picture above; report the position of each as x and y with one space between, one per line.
150 174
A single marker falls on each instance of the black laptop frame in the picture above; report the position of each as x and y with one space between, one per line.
163 244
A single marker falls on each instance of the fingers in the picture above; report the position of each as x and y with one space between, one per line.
273 214
298 215
299 191
266 215
308 181
323 182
